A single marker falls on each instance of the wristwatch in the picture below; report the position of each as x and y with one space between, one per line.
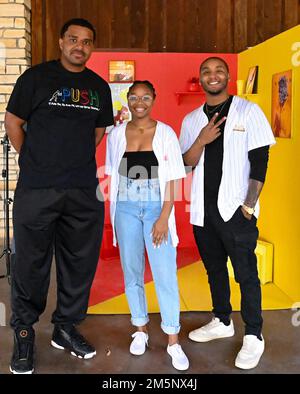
248 209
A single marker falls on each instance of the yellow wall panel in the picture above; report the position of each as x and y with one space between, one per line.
279 222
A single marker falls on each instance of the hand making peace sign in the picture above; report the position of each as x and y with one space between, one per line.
211 131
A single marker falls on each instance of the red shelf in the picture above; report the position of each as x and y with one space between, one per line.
178 95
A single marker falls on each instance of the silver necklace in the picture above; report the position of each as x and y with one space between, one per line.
211 113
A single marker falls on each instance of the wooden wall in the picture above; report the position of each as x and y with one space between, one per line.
165 25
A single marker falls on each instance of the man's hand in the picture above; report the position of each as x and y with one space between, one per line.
207 135
246 214
211 131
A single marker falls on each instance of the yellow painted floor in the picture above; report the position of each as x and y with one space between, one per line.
195 295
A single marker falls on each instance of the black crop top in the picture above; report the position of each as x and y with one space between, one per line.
139 165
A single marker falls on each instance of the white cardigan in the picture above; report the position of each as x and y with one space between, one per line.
170 166
246 128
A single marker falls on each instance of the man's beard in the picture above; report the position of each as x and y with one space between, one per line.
215 92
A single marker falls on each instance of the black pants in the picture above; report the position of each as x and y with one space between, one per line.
237 239
71 221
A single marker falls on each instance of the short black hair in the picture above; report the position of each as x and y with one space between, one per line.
78 22
214 58
146 83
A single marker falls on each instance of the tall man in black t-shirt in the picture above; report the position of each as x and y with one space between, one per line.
227 141
66 107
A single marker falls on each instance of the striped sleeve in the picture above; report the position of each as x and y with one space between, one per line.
258 129
109 154
185 141
173 158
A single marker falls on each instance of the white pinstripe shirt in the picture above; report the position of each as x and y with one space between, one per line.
170 166
246 128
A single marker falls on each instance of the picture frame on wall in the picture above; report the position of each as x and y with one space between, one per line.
251 84
120 106
282 104
121 71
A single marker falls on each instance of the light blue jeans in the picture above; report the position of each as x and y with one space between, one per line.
138 208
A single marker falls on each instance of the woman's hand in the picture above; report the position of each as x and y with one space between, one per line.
160 232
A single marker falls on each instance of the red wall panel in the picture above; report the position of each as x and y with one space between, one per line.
169 73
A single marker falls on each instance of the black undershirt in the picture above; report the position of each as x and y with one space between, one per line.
259 163
139 165
213 159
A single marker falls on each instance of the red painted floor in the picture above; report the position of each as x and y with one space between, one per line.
108 281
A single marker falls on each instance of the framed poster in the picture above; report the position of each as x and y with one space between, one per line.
120 106
121 70
251 84
282 104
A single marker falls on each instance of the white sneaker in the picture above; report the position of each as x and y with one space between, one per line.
179 359
139 343
213 330
250 353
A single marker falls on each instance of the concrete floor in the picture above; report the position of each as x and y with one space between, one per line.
110 334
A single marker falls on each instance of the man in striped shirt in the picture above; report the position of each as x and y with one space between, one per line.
227 142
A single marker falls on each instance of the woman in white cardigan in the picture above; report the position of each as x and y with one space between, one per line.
144 159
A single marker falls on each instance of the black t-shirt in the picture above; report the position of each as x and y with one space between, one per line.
213 156
62 110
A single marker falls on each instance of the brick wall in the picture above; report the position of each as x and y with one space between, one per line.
15 58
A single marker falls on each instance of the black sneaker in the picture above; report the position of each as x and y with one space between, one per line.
67 337
22 358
